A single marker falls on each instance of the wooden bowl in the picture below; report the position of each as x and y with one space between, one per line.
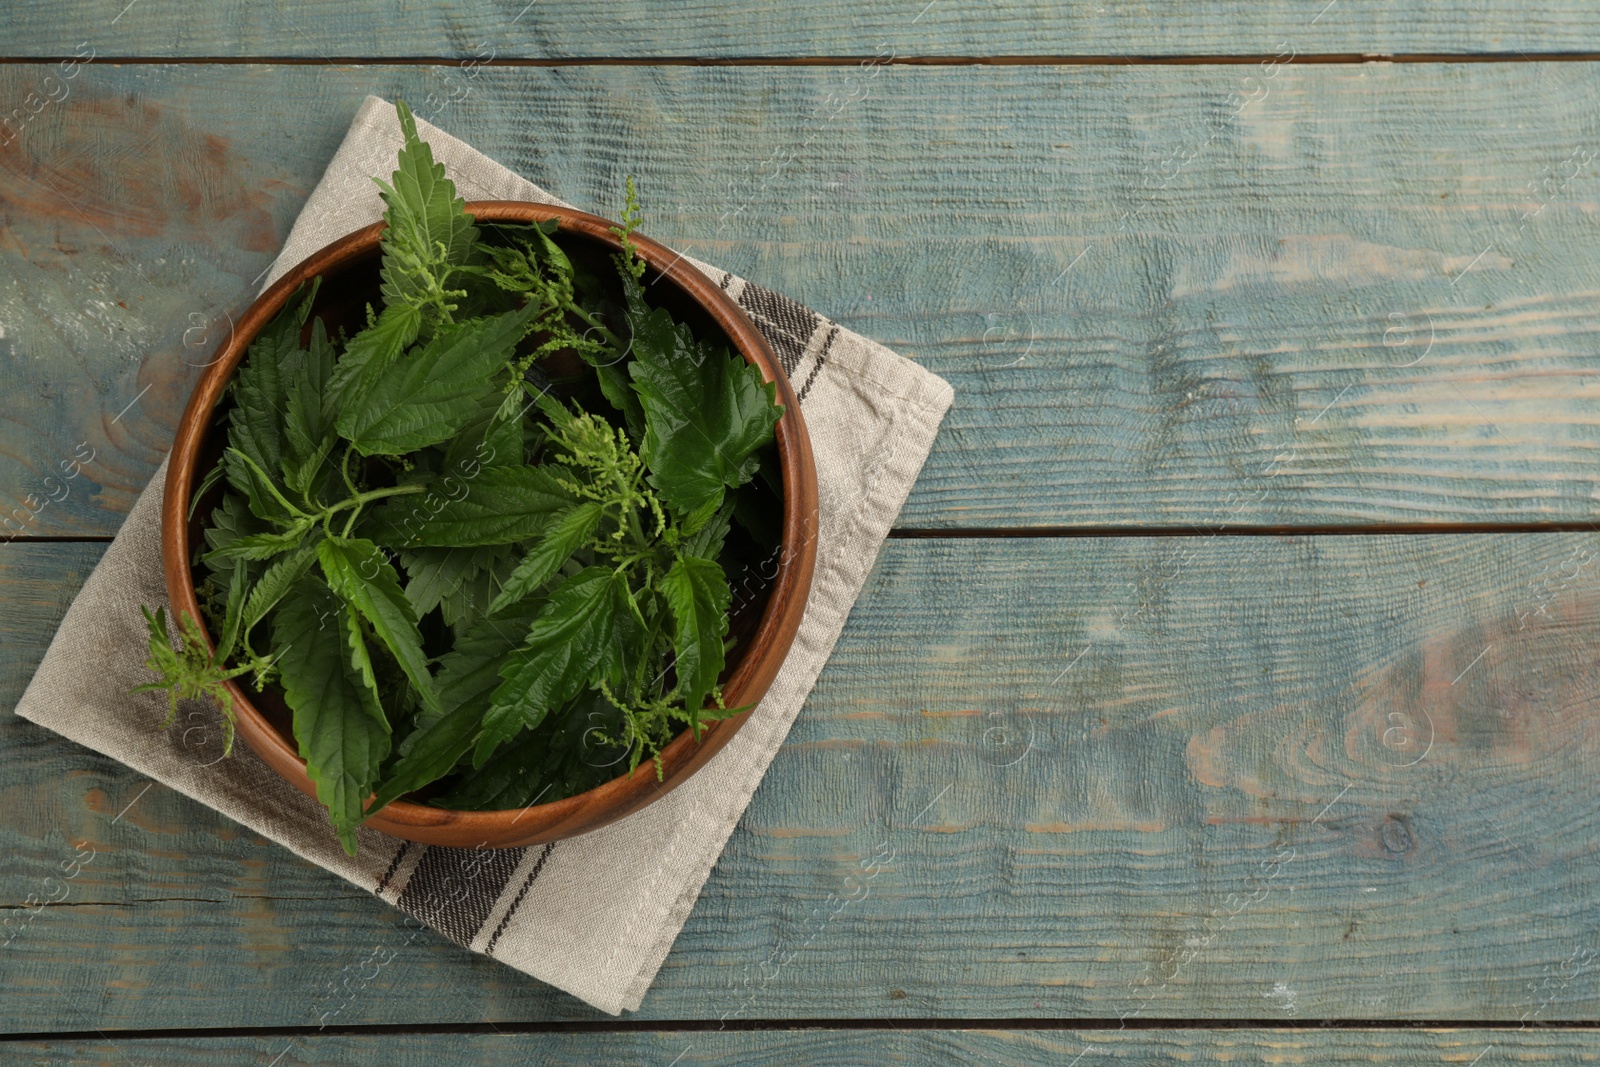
348 267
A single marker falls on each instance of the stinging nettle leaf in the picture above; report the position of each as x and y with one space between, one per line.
361 663
468 675
494 506
564 645
359 572
343 745
516 776
309 413
493 437
263 494
568 532
231 520
436 576
706 412
280 576
261 545
255 425
429 231
234 613
706 541
209 481
433 392
511 778
697 592
373 353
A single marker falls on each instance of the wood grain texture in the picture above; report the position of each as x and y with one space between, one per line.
838 1048
39 582
1365 298
1295 778
636 29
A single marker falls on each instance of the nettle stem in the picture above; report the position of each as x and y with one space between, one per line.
360 500
636 528
658 618
596 324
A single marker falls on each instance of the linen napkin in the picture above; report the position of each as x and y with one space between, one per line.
594 915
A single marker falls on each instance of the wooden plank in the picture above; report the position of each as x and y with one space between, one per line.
1291 778
473 29
39 582
1348 306
842 1048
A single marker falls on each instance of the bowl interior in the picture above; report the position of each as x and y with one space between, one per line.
349 284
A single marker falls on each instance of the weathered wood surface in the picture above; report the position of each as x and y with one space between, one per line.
38 583
1290 778
637 29
1367 297
839 1048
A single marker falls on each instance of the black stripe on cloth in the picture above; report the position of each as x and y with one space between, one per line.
515 904
822 357
787 326
453 890
394 865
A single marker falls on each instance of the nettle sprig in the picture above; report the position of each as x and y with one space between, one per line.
462 579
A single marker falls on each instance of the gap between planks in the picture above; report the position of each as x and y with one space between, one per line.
1059 60
957 533
1381 529
673 1026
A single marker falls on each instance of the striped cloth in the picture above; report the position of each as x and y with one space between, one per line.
593 915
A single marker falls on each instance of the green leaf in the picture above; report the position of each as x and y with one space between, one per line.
562 758
511 778
275 584
309 413
611 368
563 646
697 592
435 751
360 573
372 354
627 644
255 424
461 581
706 541
238 586
617 387
499 506
207 483
361 663
342 743
706 412
493 437
165 661
568 532
264 495
429 230
468 675
231 520
260 545
429 396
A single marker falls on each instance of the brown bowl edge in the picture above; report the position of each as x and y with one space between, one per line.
539 824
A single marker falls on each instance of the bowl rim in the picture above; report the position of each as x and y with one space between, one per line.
680 758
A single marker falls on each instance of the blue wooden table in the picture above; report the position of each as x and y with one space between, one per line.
1227 690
